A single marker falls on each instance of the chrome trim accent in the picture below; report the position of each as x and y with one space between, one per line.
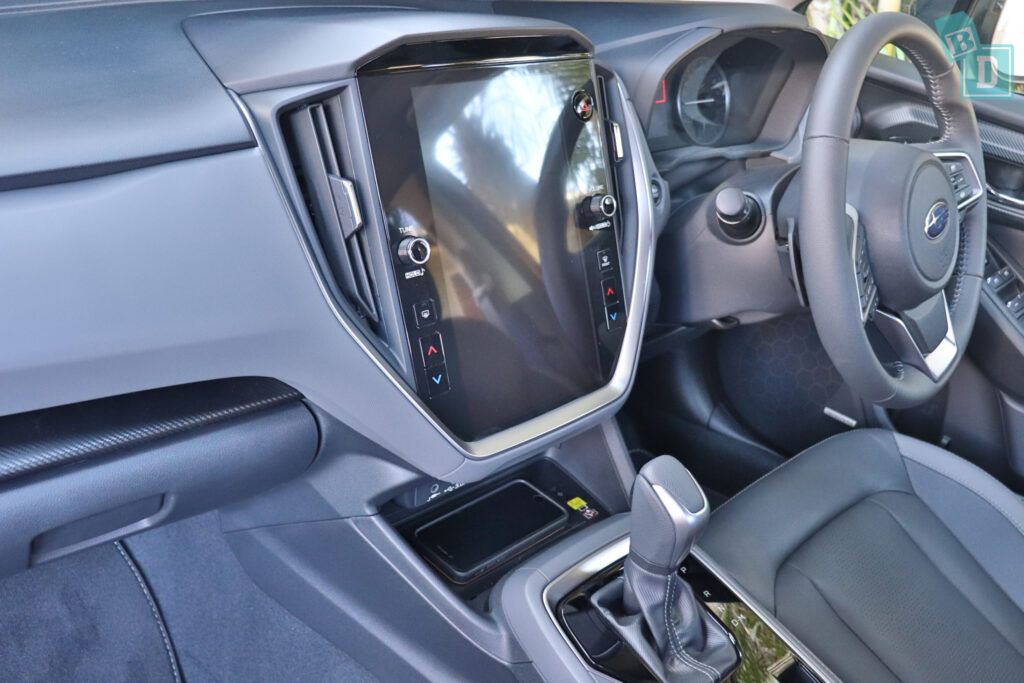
618 151
933 217
540 426
842 418
405 250
937 362
495 61
1003 198
809 659
617 550
676 510
974 170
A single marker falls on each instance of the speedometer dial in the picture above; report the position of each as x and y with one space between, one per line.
703 101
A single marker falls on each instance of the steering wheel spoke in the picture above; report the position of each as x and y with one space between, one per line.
867 289
922 336
967 185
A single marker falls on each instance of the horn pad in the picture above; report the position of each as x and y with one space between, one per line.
908 210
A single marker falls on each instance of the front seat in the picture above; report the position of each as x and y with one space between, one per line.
891 559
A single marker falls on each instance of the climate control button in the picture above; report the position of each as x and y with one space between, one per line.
431 348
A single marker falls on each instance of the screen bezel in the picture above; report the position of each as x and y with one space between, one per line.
601 344
634 175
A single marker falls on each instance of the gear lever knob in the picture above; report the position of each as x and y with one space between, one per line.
669 513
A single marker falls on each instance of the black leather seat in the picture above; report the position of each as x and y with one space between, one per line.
890 558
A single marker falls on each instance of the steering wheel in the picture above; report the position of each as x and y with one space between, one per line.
889 249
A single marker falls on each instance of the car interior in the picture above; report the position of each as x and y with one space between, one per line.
510 340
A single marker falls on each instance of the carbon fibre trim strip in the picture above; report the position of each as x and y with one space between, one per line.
45 439
1000 142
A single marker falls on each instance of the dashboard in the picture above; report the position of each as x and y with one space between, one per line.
349 209
341 201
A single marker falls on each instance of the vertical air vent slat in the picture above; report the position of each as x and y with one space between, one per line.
316 138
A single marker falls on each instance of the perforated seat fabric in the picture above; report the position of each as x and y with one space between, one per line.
892 559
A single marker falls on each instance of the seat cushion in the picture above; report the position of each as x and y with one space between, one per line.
890 558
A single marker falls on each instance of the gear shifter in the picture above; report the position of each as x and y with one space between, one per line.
651 607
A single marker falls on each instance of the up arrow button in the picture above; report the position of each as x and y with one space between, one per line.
431 349
610 290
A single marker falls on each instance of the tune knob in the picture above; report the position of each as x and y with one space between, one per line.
414 251
739 214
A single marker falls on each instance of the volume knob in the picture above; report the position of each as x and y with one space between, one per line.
600 207
414 251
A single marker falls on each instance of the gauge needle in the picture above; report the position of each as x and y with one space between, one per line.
706 100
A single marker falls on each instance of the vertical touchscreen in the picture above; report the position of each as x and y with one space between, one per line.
494 167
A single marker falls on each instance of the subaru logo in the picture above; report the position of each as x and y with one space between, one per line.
937 220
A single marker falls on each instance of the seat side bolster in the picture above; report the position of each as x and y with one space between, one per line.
985 516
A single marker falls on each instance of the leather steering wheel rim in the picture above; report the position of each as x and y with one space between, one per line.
829 273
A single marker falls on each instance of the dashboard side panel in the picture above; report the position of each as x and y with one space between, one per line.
104 89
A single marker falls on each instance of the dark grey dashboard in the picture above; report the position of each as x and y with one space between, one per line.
144 167
197 192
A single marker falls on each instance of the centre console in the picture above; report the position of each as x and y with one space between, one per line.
634 600
494 176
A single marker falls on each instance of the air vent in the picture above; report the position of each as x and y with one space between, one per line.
320 154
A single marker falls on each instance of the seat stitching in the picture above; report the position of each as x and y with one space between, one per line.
672 635
168 648
828 604
943 574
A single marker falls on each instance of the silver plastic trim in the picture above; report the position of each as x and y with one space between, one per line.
1003 198
842 418
676 510
938 361
853 214
977 194
579 408
496 61
618 152
405 250
617 550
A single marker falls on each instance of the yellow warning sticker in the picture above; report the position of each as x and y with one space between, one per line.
577 503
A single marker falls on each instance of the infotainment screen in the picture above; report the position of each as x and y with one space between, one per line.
501 217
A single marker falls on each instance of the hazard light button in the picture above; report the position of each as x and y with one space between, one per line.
431 349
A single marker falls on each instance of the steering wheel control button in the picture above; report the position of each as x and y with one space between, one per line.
425 313
431 349
610 290
962 177
596 212
414 251
437 380
615 316
605 261
738 213
583 105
